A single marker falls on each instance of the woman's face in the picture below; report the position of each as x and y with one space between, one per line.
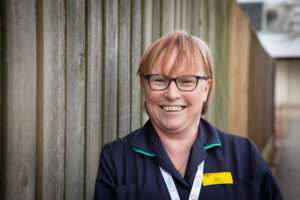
173 110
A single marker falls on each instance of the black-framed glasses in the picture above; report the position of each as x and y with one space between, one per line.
161 82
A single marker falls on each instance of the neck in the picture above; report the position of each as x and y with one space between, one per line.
178 143
183 134
178 147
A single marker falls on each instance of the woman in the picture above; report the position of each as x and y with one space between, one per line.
177 154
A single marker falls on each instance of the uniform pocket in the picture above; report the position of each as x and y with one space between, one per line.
242 189
126 192
248 189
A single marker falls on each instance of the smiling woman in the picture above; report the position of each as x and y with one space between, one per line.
175 109
177 154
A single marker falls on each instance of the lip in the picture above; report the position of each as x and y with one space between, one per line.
172 108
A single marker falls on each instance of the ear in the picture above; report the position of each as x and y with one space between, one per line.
205 89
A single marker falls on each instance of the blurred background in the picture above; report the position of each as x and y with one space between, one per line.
277 25
68 83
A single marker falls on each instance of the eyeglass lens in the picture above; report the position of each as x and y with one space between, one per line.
185 83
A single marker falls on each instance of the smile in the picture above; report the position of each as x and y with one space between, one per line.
172 108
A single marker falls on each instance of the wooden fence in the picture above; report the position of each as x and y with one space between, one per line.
261 122
69 85
251 84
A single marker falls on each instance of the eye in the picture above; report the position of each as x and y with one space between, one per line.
159 80
156 79
185 80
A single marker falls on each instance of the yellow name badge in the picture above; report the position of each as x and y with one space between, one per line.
217 178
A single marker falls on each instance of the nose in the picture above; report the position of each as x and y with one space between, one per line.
172 91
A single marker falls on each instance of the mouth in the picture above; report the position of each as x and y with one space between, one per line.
172 108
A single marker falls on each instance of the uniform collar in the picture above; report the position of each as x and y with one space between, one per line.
208 135
146 141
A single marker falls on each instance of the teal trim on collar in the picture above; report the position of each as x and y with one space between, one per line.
213 145
143 152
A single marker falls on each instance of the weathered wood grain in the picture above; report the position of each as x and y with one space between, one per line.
204 10
136 50
146 38
168 7
124 69
178 15
54 110
40 98
221 49
20 136
188 16
211 35
94 94
196 19
156 19
239 71
261 93
2 97
110 71
76 99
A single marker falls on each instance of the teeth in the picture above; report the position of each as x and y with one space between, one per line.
172 108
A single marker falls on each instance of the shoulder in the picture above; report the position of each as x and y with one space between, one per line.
227 140
118 147
246 164
241 157
113 160
234 141
244 151
243 147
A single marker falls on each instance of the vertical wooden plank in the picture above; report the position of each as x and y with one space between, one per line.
183 21
212 12
196 21
94 97
261 100
147 36
110 71
188 18
239 71
147 24
156 19
124 69
209 33
76 83
136 49
217 37
168 16
20 152
178 14
2 97
40 98
54 100
204 10
220 39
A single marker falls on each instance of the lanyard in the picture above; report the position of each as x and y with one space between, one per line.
195 188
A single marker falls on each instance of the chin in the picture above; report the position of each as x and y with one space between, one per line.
172 126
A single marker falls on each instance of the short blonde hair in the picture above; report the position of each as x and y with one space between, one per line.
191 52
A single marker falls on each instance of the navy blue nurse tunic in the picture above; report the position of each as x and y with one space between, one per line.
129 167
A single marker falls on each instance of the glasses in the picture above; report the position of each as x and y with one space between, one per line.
161 82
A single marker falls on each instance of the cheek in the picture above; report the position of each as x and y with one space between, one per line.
193 98
152 97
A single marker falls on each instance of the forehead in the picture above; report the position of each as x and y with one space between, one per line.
175 63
